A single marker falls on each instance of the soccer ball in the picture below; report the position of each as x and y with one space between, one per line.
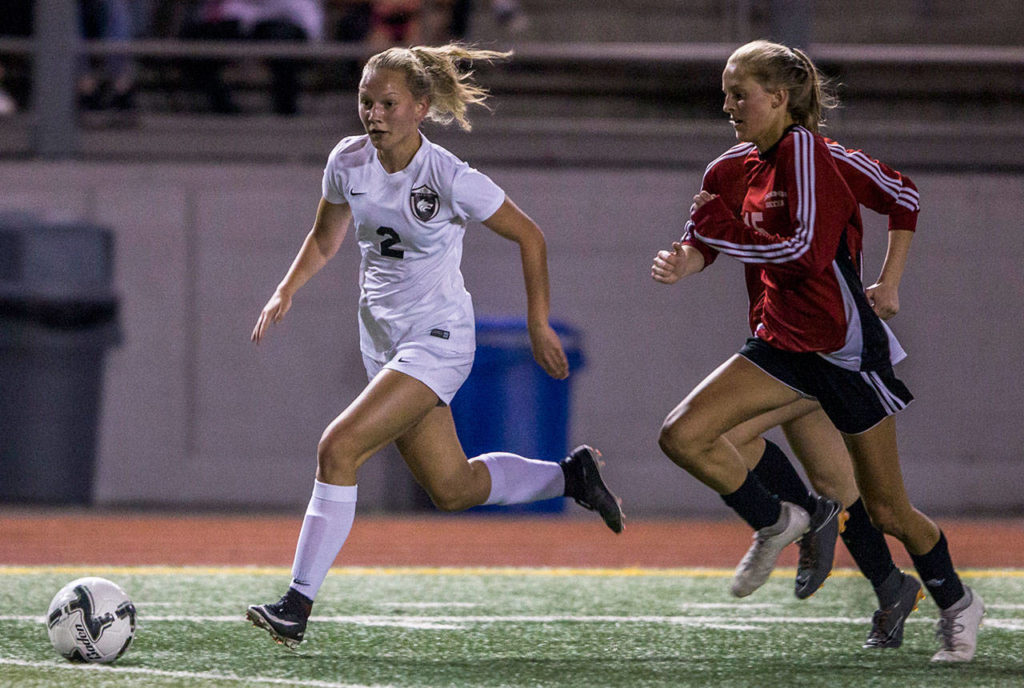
91 620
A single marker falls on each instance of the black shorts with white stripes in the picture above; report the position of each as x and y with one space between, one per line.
855 400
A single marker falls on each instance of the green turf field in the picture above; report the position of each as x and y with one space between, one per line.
506 627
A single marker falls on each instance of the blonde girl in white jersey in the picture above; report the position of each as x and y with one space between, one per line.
410 202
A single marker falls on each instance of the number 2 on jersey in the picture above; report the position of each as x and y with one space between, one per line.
391 239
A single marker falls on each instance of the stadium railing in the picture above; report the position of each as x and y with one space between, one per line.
657 87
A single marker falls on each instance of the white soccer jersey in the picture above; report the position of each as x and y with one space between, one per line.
410 227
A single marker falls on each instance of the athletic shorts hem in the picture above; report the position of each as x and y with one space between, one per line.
861 432
803 394
855 401
443 372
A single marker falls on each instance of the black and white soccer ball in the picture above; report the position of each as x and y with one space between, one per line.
91 620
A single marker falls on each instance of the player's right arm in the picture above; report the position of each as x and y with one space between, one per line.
689 255
322 242
671 266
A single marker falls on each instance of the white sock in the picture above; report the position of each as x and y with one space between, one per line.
518 480
329 516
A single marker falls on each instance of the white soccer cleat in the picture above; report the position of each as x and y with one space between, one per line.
769 542
957 630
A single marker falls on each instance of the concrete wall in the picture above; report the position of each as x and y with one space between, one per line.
194 414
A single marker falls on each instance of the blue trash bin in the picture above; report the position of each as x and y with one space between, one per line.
509 403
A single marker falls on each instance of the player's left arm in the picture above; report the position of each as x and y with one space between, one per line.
889 192
884 295
512 223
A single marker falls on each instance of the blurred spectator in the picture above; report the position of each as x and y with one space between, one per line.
15 21
394 22
508 15
350 22
352 19
7 104
107 82
270 20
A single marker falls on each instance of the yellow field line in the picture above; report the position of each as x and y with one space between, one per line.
83 570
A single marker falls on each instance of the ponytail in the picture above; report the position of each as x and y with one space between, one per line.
436 74
810 98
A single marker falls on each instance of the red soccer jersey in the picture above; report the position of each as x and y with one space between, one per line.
791 216
875 186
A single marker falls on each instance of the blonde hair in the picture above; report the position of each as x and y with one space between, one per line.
435 74
775 66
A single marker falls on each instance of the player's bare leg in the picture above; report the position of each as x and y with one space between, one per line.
391 403
876 464
693 437
432 451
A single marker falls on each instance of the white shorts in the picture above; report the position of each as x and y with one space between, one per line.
441 371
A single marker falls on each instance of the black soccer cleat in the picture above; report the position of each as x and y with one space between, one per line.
887 623
284 620
583 483
818 547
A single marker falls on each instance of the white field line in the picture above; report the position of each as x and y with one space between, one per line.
469 605
188 675
427 605
459 622
732 627
729 605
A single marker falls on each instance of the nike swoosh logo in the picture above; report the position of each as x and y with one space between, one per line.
353 192
284 624
832 514
404 360
895 630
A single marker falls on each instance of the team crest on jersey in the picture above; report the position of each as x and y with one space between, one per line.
425 203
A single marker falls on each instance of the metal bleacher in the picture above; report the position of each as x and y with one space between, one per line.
603 82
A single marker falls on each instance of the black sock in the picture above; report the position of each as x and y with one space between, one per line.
888 592
755 504
938 575
573 484
867 546
296 600
778 475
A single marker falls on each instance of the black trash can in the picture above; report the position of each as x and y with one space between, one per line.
509 403
58 317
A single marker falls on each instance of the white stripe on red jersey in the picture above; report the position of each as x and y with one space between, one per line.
799 218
